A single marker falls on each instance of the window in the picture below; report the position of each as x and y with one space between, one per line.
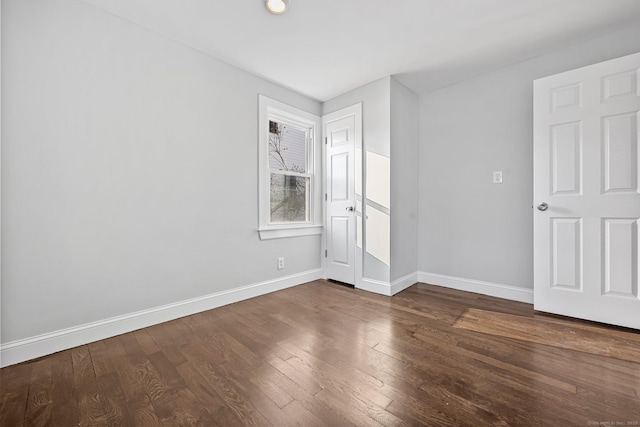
290 190
289 173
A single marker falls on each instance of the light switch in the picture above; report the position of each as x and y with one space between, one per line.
497 177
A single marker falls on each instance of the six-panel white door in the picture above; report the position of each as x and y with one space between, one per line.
586 192
340 133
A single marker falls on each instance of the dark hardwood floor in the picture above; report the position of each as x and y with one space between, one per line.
325 354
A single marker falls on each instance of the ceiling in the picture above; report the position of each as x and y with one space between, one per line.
323 48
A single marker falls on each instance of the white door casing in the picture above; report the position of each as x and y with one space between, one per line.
341 131
586 157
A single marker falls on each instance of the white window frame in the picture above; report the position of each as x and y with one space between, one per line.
270 109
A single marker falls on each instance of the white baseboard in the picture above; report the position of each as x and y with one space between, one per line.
485 288
386 288
375 286
41 345
404 282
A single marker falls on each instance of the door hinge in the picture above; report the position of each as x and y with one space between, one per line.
325 253
325 197
325 139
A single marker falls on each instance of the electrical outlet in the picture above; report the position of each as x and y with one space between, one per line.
280 263
497 177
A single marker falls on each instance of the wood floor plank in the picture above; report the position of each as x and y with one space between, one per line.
90 401
130 373
254 395
416 412
102 356
116 409
342 361
169 336
147 344
119 368
40 402
585 338
345 381
207 395
326 354
272 391
356 412
166 370
446 358
258 340
173 404
296 411
218 379
14 390
468 387
330 415
550 361
463 348
301 377
144 414
65 411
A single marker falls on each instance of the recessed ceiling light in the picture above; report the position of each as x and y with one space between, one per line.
277 7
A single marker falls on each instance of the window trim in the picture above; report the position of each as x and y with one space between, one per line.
270 109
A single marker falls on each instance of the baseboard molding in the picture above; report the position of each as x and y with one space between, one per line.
41 345
386 288
375 286
485 288
404 282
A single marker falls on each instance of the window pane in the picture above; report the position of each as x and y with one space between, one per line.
289 198
287 148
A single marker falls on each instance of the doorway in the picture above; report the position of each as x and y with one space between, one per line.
342 131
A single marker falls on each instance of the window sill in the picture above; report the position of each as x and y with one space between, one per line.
289 231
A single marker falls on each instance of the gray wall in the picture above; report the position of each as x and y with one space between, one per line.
129 171
375 98
376 129
469 227
404 181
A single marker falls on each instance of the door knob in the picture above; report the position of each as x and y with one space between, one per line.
543 206
349 208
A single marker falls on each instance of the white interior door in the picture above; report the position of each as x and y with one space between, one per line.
340 138
586 192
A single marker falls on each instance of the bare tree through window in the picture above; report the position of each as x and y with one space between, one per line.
289 177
